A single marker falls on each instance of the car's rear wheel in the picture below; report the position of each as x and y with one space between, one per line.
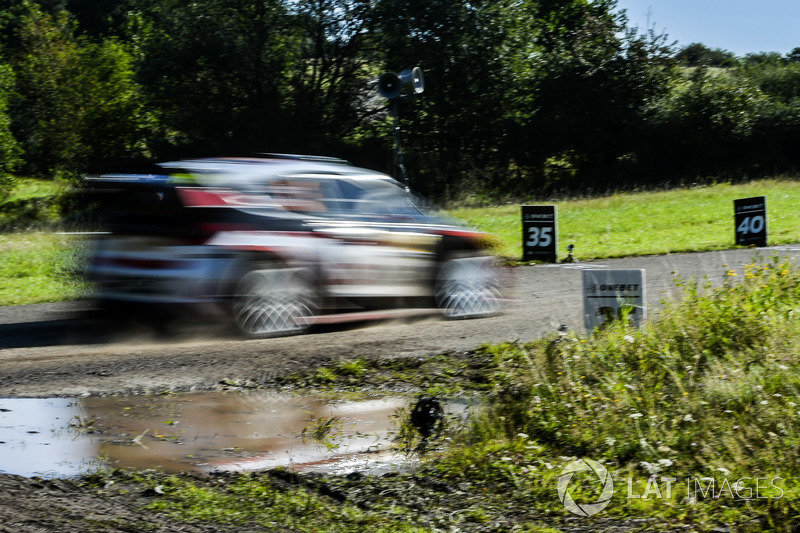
273 301
467 287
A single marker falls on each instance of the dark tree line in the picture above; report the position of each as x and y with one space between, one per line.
522 96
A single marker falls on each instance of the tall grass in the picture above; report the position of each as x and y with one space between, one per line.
40 267
708 390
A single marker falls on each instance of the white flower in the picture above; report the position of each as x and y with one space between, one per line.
783 367
650 467
629 339
610 441
665 462
636 415
723 470
688 418
764 402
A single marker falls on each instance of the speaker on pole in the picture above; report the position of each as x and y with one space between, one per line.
409 81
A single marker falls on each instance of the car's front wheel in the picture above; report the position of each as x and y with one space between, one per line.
272 301
468 287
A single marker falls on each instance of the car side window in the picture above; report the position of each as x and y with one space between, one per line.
305 195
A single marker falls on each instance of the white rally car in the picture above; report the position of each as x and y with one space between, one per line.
279 243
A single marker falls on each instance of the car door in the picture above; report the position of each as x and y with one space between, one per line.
374 248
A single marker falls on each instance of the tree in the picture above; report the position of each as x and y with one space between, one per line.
329 71
47 107
9 148
581 91
75 100
703 126
699 55
215 73
452 133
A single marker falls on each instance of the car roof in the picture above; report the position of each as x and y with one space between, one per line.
252 170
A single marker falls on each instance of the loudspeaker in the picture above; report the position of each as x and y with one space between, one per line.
391 85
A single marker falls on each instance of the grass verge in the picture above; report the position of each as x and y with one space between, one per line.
38 267
620 225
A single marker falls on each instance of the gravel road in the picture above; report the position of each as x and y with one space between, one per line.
68 349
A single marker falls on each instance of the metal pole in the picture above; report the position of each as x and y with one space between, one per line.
399 167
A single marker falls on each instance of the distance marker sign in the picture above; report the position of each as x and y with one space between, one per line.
539 233
750 217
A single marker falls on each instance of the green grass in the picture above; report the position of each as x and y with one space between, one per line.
710 390
27 188
680 220
40 267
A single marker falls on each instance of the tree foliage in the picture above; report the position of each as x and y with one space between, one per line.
521 95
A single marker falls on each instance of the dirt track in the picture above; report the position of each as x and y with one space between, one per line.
67 350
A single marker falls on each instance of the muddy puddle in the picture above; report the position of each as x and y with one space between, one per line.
200 432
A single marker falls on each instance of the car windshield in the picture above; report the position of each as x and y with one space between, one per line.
379 197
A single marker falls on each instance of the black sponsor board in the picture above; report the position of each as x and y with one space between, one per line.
539 233
750 219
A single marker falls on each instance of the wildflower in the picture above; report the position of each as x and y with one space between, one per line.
665 462
688 418
629 339
522 435
611 441
636 415
783 367
650 467
731 273
725 471
764 402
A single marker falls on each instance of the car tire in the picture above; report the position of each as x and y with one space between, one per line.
467 287
270 301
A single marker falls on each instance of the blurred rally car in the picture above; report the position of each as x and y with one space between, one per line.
279 243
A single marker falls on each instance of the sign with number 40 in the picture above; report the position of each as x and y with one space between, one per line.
750 219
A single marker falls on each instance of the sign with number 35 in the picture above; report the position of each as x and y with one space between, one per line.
539 233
